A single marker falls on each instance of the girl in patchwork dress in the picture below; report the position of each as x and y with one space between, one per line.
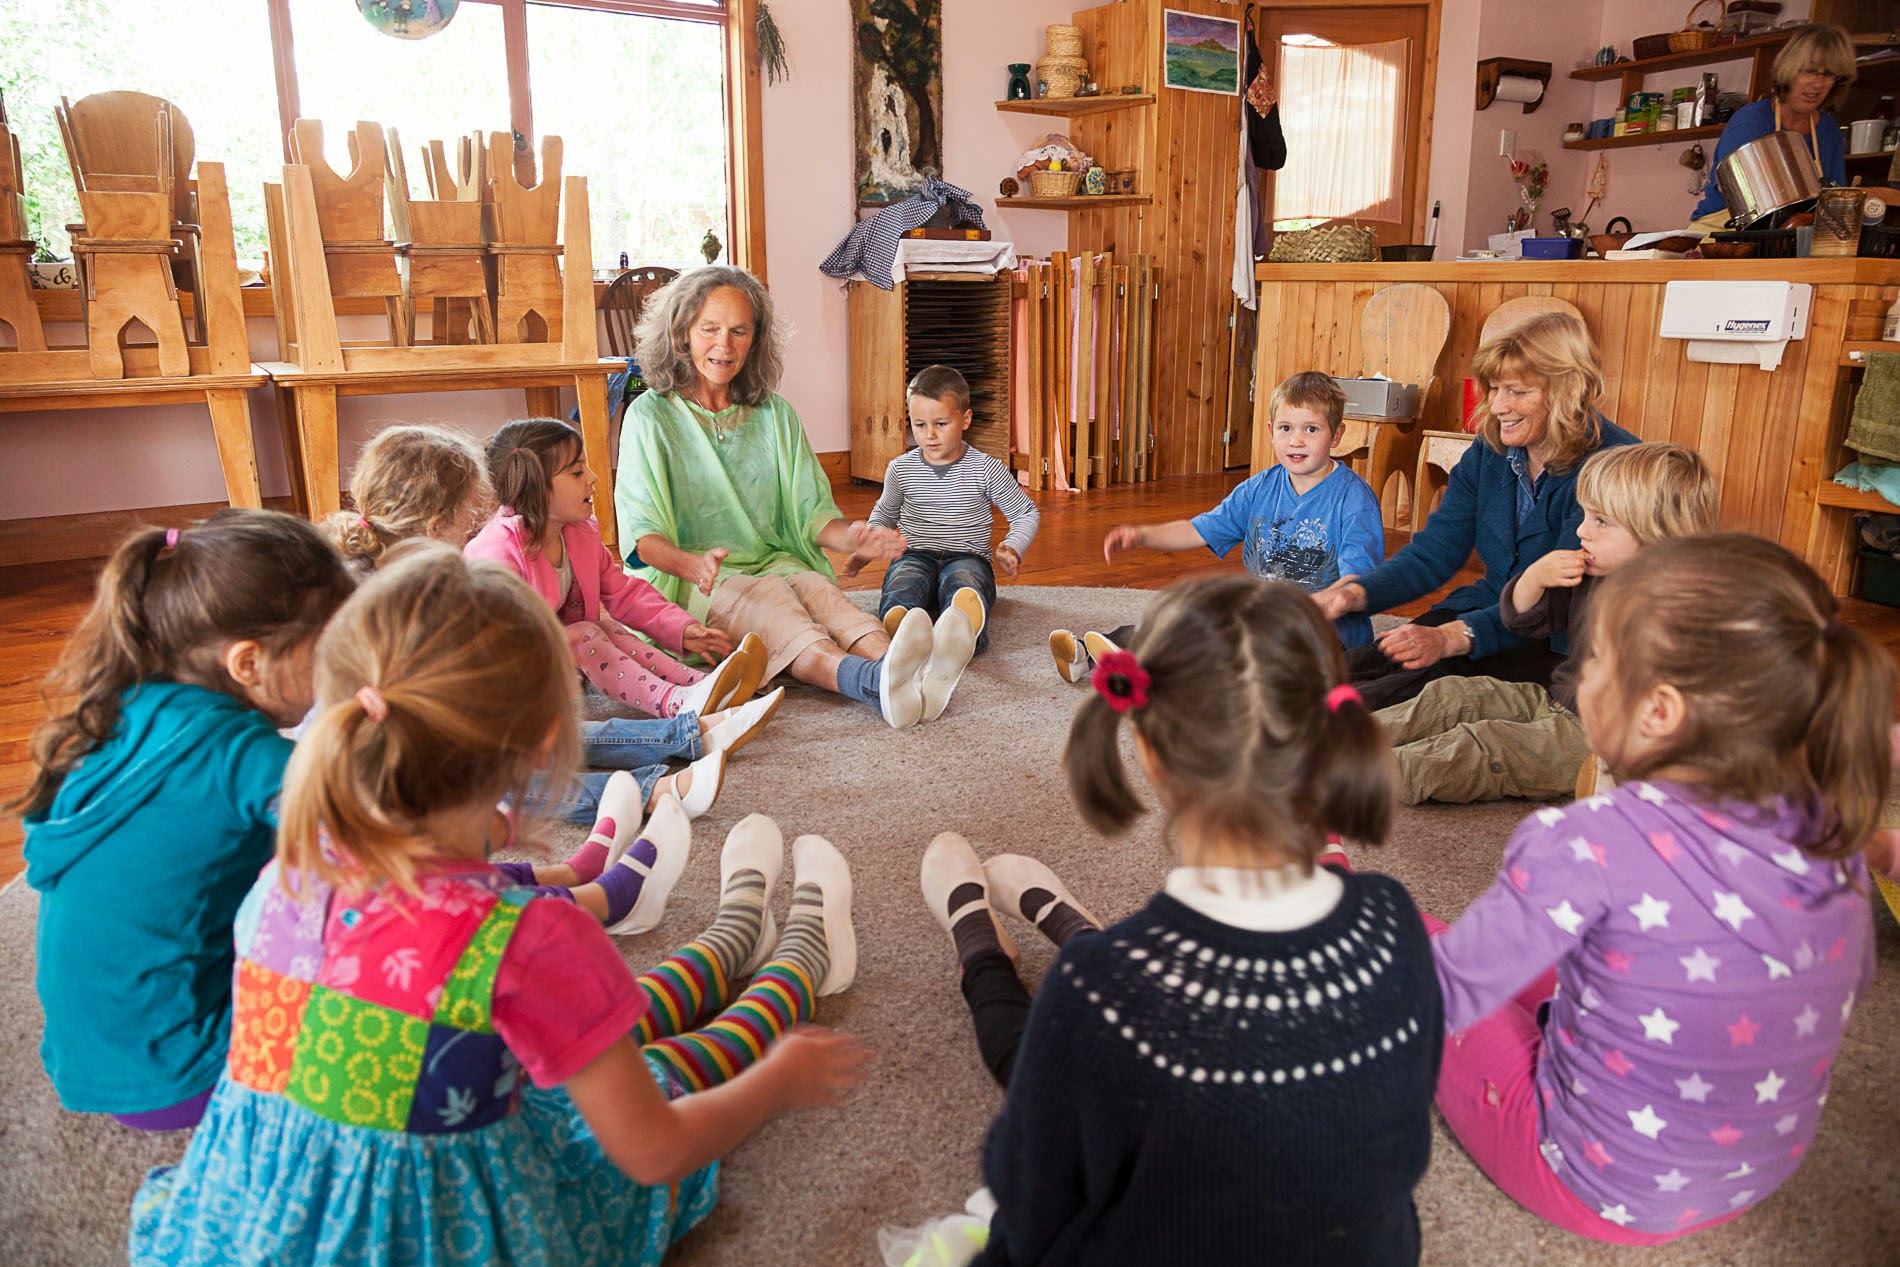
430 1064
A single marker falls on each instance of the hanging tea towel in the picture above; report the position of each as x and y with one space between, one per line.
868 250
1875 427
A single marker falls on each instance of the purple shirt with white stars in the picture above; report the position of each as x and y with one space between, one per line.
1706 971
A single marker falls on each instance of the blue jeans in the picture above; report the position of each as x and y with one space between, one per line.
930 579
641 745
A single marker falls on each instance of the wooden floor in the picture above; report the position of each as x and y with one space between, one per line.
40 604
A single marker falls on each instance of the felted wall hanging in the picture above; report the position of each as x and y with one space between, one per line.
897 95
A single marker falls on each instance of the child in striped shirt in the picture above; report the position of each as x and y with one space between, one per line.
939 494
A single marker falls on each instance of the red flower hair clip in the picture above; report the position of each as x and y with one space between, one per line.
1120 679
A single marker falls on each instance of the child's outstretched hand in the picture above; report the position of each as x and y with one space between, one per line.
704 570
1008 561
815 1066
1121 537
872 542
1560 569
714 644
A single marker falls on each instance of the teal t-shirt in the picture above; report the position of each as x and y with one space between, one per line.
141 863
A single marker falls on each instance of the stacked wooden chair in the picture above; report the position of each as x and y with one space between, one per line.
444 258
18 311
523 250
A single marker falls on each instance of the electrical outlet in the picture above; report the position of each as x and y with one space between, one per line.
1507 143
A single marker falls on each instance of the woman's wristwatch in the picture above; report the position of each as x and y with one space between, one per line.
1464 631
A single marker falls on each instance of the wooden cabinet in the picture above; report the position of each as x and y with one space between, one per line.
955 319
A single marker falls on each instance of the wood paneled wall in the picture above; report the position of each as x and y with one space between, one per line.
1184 150
1771 438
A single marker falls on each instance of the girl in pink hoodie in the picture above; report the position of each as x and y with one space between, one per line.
545 533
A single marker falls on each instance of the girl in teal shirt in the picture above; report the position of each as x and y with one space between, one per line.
153 805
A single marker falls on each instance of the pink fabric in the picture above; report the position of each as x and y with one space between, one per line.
602 582
563 995
1487 1090
627 669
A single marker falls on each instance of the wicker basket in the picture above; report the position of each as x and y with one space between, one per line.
1691 39
1064 40
1337 244
1064 75
1053 184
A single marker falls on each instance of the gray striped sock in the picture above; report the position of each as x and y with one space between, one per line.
735 930
803 941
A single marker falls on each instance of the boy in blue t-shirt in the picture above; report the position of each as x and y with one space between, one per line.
1308 519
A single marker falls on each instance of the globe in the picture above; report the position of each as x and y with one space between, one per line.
407 19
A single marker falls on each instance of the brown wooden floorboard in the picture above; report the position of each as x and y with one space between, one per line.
41 603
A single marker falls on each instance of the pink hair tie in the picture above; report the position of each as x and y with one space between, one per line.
361 519
1120 679
375 707
171 538
1342 694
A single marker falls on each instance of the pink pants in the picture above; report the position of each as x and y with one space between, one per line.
627 668
1487 1090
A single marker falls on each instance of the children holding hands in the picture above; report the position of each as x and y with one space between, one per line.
1306 519
431 1064
1480 738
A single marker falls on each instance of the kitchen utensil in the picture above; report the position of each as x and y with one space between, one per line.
1837 222
1768 175
1610 239
1864 136
1431 230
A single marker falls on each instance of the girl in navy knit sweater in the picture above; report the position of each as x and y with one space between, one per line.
1243 1069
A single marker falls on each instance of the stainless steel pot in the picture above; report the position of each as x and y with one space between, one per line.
1769 175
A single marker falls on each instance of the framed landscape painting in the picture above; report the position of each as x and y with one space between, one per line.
1202 54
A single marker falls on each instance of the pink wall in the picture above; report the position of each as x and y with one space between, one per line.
808 170
114 459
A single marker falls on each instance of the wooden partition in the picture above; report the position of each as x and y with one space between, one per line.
1089 331
1772 438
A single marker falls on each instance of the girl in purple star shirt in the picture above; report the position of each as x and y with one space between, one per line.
1643 1009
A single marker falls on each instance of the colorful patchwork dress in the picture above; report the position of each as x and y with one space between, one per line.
374 1108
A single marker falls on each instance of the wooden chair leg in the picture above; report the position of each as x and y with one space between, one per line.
591 389
237 452
1394 454
293 449
316 439
126 288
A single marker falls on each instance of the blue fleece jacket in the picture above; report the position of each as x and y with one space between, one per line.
141 862
1479 513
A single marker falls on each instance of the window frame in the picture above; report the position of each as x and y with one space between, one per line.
745 157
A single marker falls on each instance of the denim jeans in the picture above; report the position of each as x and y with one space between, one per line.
640 744
930 579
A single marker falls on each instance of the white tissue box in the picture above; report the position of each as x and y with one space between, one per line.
1379 398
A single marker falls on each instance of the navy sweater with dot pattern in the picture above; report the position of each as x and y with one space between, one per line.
1191 1092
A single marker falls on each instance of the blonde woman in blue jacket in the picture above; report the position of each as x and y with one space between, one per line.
1512 498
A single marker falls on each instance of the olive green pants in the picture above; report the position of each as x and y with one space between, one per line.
1478 739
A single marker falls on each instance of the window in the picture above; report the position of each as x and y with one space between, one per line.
641 92
223 86
1346 106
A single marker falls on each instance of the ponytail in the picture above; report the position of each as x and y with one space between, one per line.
357 539
339 786
168 604
1849 744
523 459
1098 778
1352 778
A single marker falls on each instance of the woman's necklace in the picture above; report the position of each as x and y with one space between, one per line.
720 429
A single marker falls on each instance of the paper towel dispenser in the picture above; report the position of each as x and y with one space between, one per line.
1736 322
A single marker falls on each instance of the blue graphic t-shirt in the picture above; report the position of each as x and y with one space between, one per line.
1312 539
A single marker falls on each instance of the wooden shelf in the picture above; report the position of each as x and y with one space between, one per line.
1842 497
1853 350
1856 158
1735 52
1069 107
1646 138
1081 202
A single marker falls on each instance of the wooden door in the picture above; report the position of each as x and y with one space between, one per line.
1348 24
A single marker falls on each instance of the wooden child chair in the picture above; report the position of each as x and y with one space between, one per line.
439 248
523 227
18 310
360 261
1402 333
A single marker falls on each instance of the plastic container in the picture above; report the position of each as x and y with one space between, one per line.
1552 248
1880 578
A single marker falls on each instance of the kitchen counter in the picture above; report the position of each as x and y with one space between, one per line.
1772 438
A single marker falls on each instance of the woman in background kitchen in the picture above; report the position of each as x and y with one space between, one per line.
1812 73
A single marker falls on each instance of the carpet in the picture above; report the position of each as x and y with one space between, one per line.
814 1186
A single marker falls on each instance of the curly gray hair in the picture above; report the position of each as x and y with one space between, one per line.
663 343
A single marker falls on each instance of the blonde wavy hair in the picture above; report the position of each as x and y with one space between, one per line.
477 686
1553 351
410 481
1656 491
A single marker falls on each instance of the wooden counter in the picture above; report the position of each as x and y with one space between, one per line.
1773 438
